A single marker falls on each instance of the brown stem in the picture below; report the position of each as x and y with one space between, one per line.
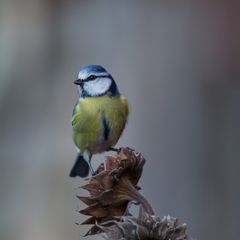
143 201
128 191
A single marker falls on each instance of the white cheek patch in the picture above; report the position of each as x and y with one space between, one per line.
98 86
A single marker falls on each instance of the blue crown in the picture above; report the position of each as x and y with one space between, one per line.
93 69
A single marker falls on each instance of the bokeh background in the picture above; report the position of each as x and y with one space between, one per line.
178 63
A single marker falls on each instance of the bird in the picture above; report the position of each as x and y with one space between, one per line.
99 117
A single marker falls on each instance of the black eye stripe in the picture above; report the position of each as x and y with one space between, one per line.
92 79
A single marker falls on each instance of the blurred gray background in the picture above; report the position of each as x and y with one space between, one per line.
178 63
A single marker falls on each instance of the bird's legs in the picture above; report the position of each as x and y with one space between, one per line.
88 157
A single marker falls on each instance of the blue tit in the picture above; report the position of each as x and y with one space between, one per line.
99 116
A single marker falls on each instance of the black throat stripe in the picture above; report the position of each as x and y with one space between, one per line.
106 129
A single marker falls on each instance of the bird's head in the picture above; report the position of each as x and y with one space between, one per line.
94 80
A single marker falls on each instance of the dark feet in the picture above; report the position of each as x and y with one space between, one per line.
114 149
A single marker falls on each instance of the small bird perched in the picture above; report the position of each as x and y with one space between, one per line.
98 118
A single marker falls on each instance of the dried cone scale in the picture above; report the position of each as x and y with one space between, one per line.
145 227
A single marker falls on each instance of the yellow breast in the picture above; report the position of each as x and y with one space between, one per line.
98 122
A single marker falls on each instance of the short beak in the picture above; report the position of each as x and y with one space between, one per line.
78 82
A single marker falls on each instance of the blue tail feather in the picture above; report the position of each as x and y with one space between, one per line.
80 167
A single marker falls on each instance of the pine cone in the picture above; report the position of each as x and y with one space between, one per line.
113 188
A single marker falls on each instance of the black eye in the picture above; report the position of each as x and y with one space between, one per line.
91 77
